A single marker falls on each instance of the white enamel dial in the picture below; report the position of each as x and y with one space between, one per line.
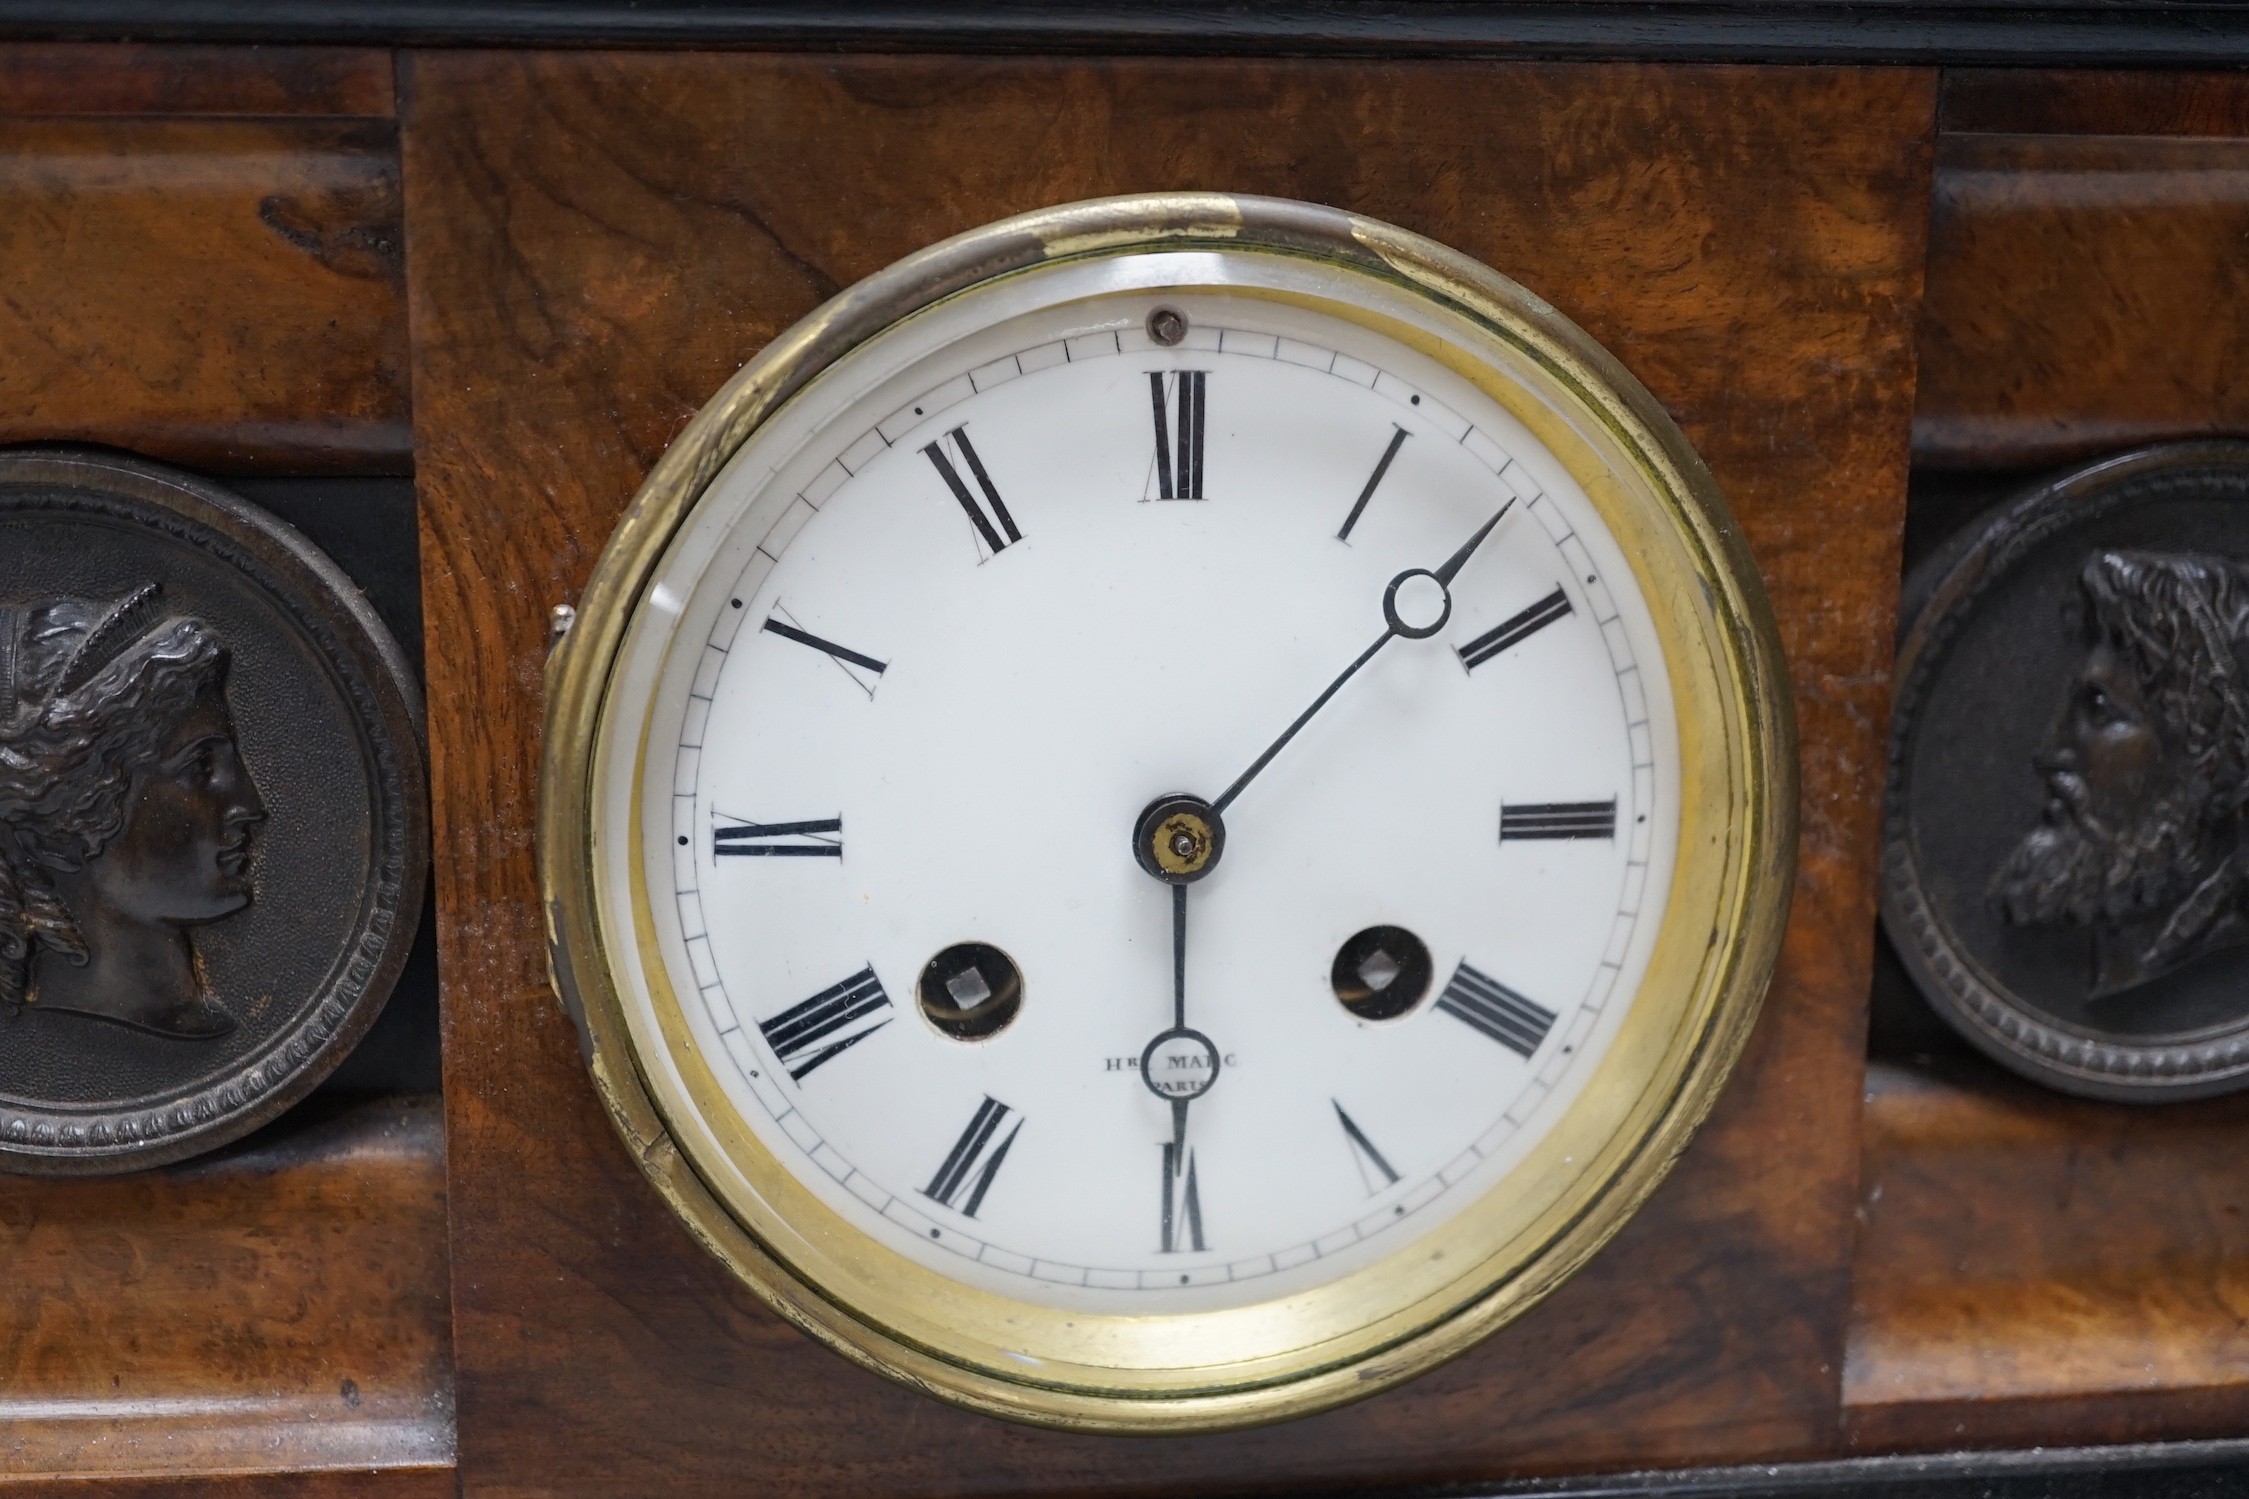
942 632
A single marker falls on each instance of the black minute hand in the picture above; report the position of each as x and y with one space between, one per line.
1444 575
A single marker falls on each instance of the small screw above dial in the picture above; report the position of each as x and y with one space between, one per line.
1167 326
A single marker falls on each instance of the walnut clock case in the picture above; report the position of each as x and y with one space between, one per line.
1167 812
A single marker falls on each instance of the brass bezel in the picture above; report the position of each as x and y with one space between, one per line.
1714 955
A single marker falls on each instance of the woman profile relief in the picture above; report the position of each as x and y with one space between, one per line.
126 812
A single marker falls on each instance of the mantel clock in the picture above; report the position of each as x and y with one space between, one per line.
1167 812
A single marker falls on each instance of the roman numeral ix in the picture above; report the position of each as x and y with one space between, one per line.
1489 1006
1179 433
1515 630
995 525
1519 821
800 1035
780 840
1376 1172
975 1159
1183 1201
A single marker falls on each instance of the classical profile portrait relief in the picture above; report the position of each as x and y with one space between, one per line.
2146 773
126 812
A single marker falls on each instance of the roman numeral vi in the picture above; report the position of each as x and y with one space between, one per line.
800 1035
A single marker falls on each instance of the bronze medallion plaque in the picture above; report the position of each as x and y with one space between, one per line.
2065 871
213 814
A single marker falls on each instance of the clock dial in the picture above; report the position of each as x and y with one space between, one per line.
1144 811
1084 570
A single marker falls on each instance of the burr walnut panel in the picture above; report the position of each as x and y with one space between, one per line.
2086 293
220 293
598 240
280 1306
2041 1271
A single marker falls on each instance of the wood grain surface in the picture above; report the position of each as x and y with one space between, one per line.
598 241
2041 1271
126 78
2086 294
281 1306
226 294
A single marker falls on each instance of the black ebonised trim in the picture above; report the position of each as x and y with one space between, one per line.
2109 33
2156 1470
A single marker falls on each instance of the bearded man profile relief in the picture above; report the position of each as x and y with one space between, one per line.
125 811
2147 773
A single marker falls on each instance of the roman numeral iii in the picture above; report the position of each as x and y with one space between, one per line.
1519 821
1515 630
810 1035
1490 1007
975 1159
1183 1201
990 518
780 840
1178 402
